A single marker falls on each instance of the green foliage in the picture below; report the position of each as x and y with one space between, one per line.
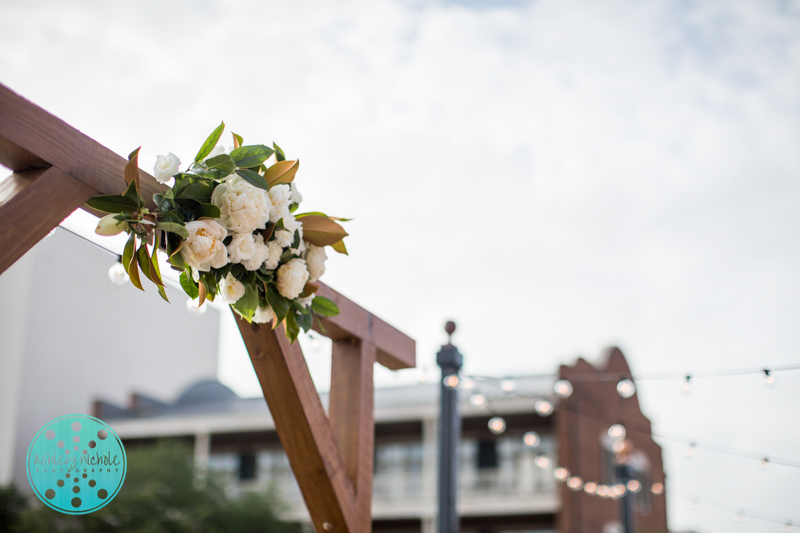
161 494
253 178
251 156
210 143
189 286
323 306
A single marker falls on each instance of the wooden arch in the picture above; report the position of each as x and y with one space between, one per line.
56 169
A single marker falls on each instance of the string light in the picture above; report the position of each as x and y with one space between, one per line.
507 385
626 388
561 473
542 461
497 425
477 400
687 385
690 451
194 309
562 388
617 431
634 485
544 407
531 439
657 488
619 490
764 462
451 381
618 446
602 491
590 487
575 483
117 274
468 384
422 376
739 516
787 526
770 378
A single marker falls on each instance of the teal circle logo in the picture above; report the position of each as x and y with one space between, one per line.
76 464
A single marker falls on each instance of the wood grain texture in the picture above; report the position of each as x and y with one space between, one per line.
302 426
17 159
34 131
32 203
395 349
352 418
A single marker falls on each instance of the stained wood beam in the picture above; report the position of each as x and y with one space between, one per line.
395 349
303 428
32 203
27 129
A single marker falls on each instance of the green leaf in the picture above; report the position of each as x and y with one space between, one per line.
237 140
164 205
178 229
292 330
189 286
311 213
195 189
222 162
305 321
247 304
176 260
127 252
279 155
157 270
133 194
323 306
340 247
132 168
253 178
278 303
322 231
210 143
208 211
114 203
251 156
212 174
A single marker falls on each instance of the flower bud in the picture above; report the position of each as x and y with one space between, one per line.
109 225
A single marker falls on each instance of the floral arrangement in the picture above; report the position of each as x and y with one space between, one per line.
228 223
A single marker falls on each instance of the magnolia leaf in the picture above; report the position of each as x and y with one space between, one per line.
132 169
146 264
178 229
237 140
322 231
132 266
281 172
324 306
189 286
292 329
253 178
339 247
251 156
127 252
279 155
278 303
310 288
114 203
223 162
316 213
267 233
210 143
207 211
305 320
201 293
247 304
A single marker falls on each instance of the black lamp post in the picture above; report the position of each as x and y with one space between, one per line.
450 361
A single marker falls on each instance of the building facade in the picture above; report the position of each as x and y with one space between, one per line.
536 474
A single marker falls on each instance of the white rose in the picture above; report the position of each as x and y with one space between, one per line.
243 208
275 252
231 289
292 277
166 166
241 248
306 301
280 196
284 238
292 224
315 257
296 196
204 248
260 254
264 315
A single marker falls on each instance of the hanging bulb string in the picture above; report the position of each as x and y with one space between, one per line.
721 506
683 376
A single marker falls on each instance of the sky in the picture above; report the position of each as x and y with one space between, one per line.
555 176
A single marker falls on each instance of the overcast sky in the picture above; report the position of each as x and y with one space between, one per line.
556 176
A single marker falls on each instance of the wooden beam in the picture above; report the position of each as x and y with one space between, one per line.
32 203
302 426
395 349
352 418
17 159
29 129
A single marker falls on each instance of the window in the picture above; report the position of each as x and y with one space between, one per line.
247 466
487 454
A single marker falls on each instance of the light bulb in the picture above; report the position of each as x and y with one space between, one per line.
770 378
687 385
657 488
451 381
497 425
617 431
507 385
315 343
117 274
619 490
477 400
561 473
787 526
422 376
763 463
618 446
603 491
531 439
562 388
192 307
468 384
693 503
690 451
626 388
634 485
542 461
739 516
590 487
575 483
544 407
